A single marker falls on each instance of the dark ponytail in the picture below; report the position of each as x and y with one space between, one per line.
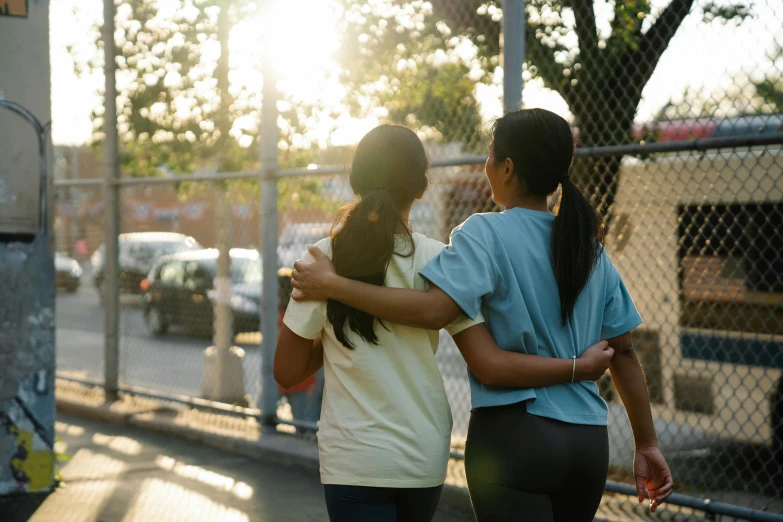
541 147
388 172
577 236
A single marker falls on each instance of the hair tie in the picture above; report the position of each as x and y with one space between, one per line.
373 215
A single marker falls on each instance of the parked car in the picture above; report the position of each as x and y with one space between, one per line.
180 291
68 272
294 239
138 253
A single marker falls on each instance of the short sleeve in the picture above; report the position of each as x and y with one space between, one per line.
307 319
620 314
463 322
464 270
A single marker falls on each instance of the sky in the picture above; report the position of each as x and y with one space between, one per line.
700 56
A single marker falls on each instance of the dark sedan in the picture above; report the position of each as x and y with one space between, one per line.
138 253
180 291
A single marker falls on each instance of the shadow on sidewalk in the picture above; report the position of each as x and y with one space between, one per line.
123 474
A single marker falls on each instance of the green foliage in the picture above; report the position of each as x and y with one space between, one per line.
715 12
584 58
402 63
409 61
576 53
305 193
169 101
745 96
166 112
771 90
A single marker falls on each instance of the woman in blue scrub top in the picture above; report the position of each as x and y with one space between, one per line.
545 286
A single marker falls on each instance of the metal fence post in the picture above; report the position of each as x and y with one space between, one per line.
269 166
513 48
111 209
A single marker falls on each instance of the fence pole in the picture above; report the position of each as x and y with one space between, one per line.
269 167
111 210
72 231
513 49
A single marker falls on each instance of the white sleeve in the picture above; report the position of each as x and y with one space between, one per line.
307 319
463 322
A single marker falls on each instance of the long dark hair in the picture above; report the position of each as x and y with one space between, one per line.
541 146
388 172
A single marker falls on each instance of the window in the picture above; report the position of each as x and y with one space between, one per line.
172 274
197 277
731 267
246 272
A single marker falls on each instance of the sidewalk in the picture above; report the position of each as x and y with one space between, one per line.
137 460
125 474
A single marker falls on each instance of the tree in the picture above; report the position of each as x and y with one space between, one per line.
177 110
599 72
771 91
745 98
748 95
400 63
770 88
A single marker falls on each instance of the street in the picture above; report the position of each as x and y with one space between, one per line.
173 363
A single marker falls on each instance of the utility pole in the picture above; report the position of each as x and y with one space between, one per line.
512 45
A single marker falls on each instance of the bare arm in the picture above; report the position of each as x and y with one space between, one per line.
431 310
650 467
296 358
497 367
629 380
317 281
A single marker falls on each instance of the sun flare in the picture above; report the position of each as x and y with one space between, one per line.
305 39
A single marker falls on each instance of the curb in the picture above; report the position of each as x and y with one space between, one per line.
101 413
272 448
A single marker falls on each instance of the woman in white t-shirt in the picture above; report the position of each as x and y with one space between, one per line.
386 423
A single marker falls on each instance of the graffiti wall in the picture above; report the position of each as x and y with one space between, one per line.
27 366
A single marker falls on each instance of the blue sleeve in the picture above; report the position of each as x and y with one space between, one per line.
465 270
620 314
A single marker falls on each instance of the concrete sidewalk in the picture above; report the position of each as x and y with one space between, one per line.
141 460
125 474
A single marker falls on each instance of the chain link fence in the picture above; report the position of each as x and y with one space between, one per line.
696 236
678 147
78 233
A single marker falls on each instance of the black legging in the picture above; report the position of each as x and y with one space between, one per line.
521 467
367 504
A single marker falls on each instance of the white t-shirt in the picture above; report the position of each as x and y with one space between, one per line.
385 418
